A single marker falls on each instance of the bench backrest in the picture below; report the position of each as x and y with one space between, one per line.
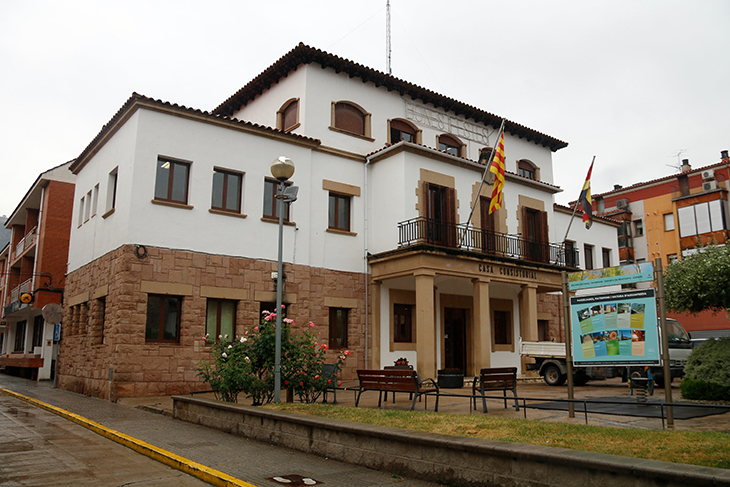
402 380
498 378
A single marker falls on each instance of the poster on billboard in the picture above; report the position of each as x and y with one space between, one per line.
615 329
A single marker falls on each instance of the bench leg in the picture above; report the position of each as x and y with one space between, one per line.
504 393
517 404
413 404
357 400
380 397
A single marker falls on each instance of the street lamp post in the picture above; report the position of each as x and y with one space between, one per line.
282 169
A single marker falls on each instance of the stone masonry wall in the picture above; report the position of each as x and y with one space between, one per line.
111 359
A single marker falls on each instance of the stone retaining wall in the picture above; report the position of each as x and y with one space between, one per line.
441 458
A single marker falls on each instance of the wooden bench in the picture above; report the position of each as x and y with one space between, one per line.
396 380
495 379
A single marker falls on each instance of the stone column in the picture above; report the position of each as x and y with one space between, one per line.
528 313
482 325
374 362
425 326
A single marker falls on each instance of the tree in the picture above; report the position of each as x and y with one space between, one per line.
699 282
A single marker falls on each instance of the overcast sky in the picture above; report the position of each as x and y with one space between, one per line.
632 82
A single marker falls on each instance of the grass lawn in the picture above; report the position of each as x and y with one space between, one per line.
694 448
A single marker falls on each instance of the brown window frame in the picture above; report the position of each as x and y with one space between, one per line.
159 326
336 200
588 257
288 115
20 337
447 142
218 303
606 257
526 170
170 187
402 323
273 200
38 325
350 118
399 127
336 326
224 190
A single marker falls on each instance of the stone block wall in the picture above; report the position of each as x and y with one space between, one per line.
109 357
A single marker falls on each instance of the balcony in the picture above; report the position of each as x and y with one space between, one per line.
15 304
459 236
25 243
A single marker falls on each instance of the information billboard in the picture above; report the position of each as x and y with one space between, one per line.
616 329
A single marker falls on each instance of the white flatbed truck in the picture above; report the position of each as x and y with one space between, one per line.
548 358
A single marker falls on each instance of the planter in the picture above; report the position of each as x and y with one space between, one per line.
450 379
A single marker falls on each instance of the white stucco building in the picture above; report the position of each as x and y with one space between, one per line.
174 229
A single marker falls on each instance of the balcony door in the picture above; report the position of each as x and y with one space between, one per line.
535 234
440 214
488 239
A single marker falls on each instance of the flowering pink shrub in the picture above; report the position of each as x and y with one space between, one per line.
247 364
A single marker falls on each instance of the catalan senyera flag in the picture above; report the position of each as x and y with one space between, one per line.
586 201
497 168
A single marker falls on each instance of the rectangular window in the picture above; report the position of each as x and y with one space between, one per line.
163 318
571 256
227 190
338 328
20 336
38 331
668 222
111 190
172 181
87 210
95 202
339 212
402 323
638 228
502 328
221 319
81 211
271 189
588 249
672 258
701 218
606 254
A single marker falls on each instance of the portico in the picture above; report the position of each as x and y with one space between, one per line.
443 308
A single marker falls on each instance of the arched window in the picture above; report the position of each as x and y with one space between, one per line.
287 118
452 145
350 118
526 169
403 130
484 154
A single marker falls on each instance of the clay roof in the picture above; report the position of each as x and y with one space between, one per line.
303 54
140 101
579 213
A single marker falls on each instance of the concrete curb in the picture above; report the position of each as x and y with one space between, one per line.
190 467
441 458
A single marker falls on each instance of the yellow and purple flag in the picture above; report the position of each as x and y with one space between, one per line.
586 201
497 168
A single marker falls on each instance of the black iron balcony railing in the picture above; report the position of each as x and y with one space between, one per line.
459 236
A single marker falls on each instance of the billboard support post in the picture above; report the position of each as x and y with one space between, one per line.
665 340
568 344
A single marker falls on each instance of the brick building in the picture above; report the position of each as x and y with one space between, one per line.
34 264
668 218
377 250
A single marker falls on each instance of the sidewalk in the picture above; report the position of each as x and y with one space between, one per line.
243 459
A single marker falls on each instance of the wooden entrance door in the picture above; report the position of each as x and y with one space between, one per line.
455 338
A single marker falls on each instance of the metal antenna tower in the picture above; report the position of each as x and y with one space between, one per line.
387 36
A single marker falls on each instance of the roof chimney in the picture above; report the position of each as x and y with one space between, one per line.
724 156
617 186
685 165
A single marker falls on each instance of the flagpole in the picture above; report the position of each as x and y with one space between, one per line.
575 208
481 184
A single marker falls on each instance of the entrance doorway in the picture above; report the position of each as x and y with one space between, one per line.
455 338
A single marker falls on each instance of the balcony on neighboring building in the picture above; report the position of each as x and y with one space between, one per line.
15 304
458 236
25 243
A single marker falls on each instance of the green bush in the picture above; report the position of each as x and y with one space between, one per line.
707 373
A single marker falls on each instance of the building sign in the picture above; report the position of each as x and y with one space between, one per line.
507 271
609 276
445 122
616 329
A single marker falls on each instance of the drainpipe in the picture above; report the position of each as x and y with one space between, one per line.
365 256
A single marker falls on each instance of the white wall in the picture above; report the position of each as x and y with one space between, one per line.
601 236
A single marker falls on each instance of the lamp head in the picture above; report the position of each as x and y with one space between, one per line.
282 168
